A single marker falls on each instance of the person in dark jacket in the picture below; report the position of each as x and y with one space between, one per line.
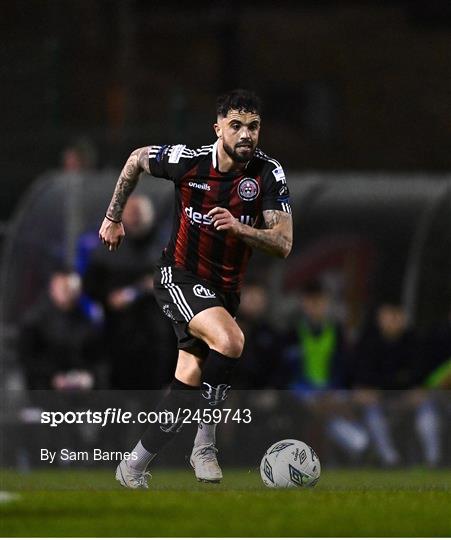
58 345
139 342
389 356
260 365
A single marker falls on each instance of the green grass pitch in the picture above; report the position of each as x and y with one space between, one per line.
344 503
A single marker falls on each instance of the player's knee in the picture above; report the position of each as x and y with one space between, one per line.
240 343
229 343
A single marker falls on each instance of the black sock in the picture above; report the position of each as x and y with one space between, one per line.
180 396
216 378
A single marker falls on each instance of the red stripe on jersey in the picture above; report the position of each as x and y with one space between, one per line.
181 241
182 236
208 234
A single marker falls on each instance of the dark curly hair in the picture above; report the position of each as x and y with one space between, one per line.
238 100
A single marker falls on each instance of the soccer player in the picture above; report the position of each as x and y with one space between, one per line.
230 197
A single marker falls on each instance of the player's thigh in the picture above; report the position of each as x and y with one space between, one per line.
219 330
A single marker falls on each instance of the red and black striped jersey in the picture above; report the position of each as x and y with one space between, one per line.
216 256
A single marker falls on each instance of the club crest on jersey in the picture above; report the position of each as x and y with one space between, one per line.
248 189
202 292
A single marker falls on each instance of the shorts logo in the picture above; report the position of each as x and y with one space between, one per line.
167 311
202 292
248 189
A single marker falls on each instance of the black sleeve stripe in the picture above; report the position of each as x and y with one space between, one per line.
265 157
153 150
202 151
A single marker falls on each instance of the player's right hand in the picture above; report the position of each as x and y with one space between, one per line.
111 234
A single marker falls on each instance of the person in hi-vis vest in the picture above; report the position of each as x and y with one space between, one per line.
316 362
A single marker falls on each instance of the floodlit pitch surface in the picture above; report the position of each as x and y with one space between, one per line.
345 503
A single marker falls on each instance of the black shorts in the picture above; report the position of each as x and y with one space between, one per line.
182 295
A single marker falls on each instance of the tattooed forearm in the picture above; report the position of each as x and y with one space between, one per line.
135 165
272 218
276 239
124 188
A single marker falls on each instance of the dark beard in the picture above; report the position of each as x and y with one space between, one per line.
232 153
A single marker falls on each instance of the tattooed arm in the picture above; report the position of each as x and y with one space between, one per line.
112 231
276 239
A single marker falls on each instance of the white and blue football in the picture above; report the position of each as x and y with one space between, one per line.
289 464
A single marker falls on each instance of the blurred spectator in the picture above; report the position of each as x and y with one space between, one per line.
139 340
388 357
79 156
388 354
438 356
316 361
316 356
58 346
260 365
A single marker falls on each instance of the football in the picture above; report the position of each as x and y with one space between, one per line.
290 463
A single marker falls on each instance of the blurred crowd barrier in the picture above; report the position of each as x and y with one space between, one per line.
348 341
398 428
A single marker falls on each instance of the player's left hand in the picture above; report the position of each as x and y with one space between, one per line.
111 234
223 220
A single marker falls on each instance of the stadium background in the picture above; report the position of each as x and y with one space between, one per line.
356 107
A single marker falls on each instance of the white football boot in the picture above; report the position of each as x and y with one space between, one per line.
205 463
130 478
